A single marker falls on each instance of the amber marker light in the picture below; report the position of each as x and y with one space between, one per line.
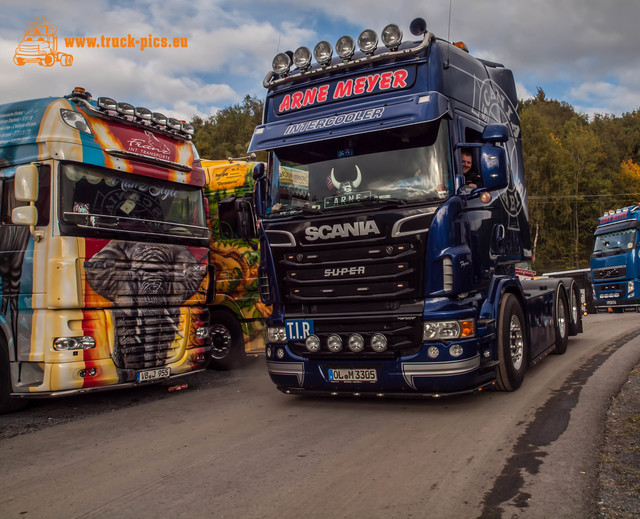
485 197
467 329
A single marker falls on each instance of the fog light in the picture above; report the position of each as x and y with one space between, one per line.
455 350
312 343
356 343
334 343
281 64
276 334
378 342
433 351
202 332
322 52
74 343
269 352
280 353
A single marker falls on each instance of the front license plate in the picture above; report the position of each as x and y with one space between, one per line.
153 374
353 375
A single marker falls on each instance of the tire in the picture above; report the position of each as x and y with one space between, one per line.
66 60
48 60
512 345
561 321
228 342
575 310
7 404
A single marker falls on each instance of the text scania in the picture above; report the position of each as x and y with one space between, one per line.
329 232
391 80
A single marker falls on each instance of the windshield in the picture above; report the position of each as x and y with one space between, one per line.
101 199
614 242
402 165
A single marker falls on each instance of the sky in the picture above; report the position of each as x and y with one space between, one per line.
582 52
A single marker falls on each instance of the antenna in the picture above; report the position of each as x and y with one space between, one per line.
446 65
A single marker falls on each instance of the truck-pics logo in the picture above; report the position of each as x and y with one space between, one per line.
40 45
339 230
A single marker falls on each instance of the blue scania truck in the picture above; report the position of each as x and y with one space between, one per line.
392 272
615 260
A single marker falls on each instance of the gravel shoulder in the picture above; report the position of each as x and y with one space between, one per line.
619 478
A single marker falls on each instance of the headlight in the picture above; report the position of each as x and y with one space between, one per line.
281 64
74 343
75 120
391 36
447 330
276 334
302 58
345 47
323 52
368 41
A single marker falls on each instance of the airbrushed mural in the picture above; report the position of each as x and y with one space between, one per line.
235 257
109 286
147 284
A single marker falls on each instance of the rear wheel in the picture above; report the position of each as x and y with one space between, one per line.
561 321
228 342
575 310
7 404
512 345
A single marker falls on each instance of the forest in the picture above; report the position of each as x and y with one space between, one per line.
576 168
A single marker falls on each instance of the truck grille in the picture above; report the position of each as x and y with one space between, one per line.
607 273
147 337
351 273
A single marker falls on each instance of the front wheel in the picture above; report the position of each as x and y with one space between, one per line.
512 345
227 340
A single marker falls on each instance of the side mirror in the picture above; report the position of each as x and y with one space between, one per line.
258 171
25 215
495 133
493 167
247 228
26 183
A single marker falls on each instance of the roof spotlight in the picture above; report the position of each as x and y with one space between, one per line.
391 36
418 26
323 52
159 119
106 103
302 58
368 41
125 109
143 113
345 47
281 64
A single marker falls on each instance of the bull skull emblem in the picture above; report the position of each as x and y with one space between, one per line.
347 187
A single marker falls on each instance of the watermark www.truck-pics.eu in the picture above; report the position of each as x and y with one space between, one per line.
40 44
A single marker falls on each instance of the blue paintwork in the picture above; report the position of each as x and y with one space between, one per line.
442 82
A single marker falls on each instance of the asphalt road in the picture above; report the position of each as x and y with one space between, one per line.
232 446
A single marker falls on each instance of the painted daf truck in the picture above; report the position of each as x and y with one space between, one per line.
103 248
615 261
390 267
237 314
